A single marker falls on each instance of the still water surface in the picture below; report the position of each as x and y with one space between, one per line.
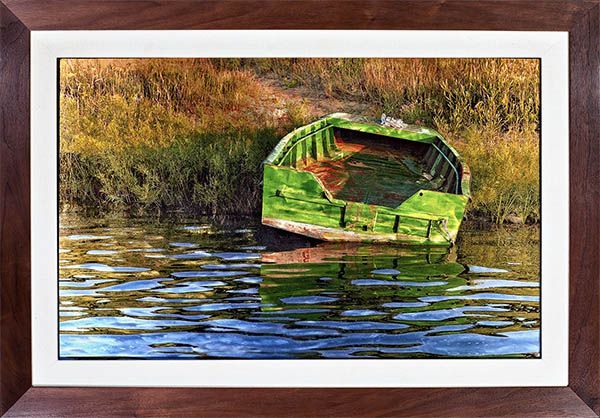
135 288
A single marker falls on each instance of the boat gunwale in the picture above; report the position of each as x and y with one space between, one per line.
349 121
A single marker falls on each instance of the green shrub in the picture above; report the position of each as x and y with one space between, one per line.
505 172
210 174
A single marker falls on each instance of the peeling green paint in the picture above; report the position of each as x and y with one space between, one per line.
344 178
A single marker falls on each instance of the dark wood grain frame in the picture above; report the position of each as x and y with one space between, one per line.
580 18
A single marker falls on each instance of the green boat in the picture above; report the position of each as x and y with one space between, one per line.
349 178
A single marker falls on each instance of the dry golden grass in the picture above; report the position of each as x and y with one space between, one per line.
189 134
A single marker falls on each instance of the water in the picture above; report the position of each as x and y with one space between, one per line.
192 290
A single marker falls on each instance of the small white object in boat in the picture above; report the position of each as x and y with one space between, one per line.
392 122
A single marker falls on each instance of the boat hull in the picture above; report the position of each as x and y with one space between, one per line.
340 235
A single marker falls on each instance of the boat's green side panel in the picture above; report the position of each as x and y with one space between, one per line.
297 196
450 207
425 218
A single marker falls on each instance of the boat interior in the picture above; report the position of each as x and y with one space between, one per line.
363 167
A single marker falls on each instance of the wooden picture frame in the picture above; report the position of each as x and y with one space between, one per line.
580 18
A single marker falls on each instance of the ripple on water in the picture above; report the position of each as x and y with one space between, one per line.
192 287
307 300
106 268
85 283
362 312
390 272
481 269
251 291
405 304
101 252
146 250
120 323
354 325
77 292
495 323
253 327
249 280
88 237
192 255
135 285
154 299
68 313
237 256
494 283
374 282
208 273
482 296
224 306
183 244
156 311
473 345
443 314
230 266
294 311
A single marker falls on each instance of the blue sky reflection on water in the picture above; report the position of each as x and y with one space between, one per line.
141 289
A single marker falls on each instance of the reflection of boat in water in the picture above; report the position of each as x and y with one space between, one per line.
345 178
324 252
358 271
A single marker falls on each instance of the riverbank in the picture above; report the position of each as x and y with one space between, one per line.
188 136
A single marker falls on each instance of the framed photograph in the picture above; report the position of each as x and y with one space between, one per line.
219 218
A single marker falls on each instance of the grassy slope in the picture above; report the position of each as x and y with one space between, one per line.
159 135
